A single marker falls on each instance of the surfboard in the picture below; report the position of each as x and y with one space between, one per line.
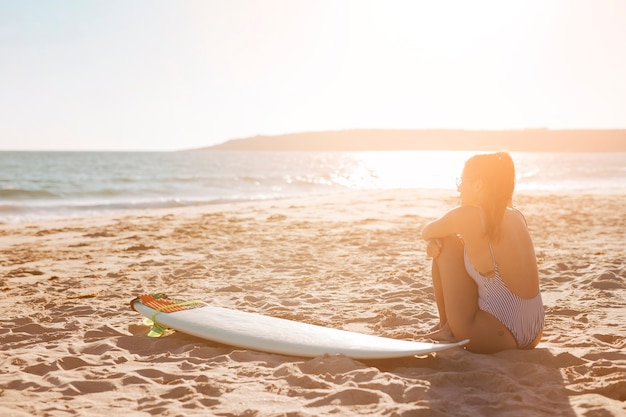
272 334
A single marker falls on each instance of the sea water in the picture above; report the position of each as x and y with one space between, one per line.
36 185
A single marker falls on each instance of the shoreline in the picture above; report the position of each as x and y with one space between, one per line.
102 211
71 345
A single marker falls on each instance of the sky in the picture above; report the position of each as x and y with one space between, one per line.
172 75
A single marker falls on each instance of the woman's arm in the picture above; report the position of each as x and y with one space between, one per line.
460 220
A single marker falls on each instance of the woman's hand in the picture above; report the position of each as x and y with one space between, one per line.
434 248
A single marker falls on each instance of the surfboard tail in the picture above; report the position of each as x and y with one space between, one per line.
161 303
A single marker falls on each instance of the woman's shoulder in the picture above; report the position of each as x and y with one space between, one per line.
467 210
464 215
471 221
515 214
459 220
470 213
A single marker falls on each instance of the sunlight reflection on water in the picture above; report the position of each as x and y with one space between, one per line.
365 170
439 169
410 169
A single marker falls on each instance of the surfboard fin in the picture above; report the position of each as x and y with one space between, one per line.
157 329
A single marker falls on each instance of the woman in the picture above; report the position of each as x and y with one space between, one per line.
484 267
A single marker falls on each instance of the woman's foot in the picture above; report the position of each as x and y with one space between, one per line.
436 327
441 334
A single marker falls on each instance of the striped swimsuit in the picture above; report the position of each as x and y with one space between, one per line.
522 316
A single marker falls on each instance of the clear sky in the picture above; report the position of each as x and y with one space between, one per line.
169 75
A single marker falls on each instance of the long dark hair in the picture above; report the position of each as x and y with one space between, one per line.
497 171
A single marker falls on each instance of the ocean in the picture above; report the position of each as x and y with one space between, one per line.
42 185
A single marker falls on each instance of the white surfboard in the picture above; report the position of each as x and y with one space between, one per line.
272 334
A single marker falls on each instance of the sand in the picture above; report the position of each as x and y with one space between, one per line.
70 344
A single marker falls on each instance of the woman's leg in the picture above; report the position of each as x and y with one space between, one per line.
460 300
441 331
438 290
458 290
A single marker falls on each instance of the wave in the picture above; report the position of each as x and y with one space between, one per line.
41 211
22 194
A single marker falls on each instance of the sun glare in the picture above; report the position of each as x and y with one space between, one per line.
408 169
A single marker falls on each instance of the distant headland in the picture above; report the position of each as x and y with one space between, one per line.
524 140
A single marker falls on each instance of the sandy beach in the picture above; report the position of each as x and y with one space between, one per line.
71 345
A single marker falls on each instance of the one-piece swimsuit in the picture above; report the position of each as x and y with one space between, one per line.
524 317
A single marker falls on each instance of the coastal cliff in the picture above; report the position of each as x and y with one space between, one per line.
529 140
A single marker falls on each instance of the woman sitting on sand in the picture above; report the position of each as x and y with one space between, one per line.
484 267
